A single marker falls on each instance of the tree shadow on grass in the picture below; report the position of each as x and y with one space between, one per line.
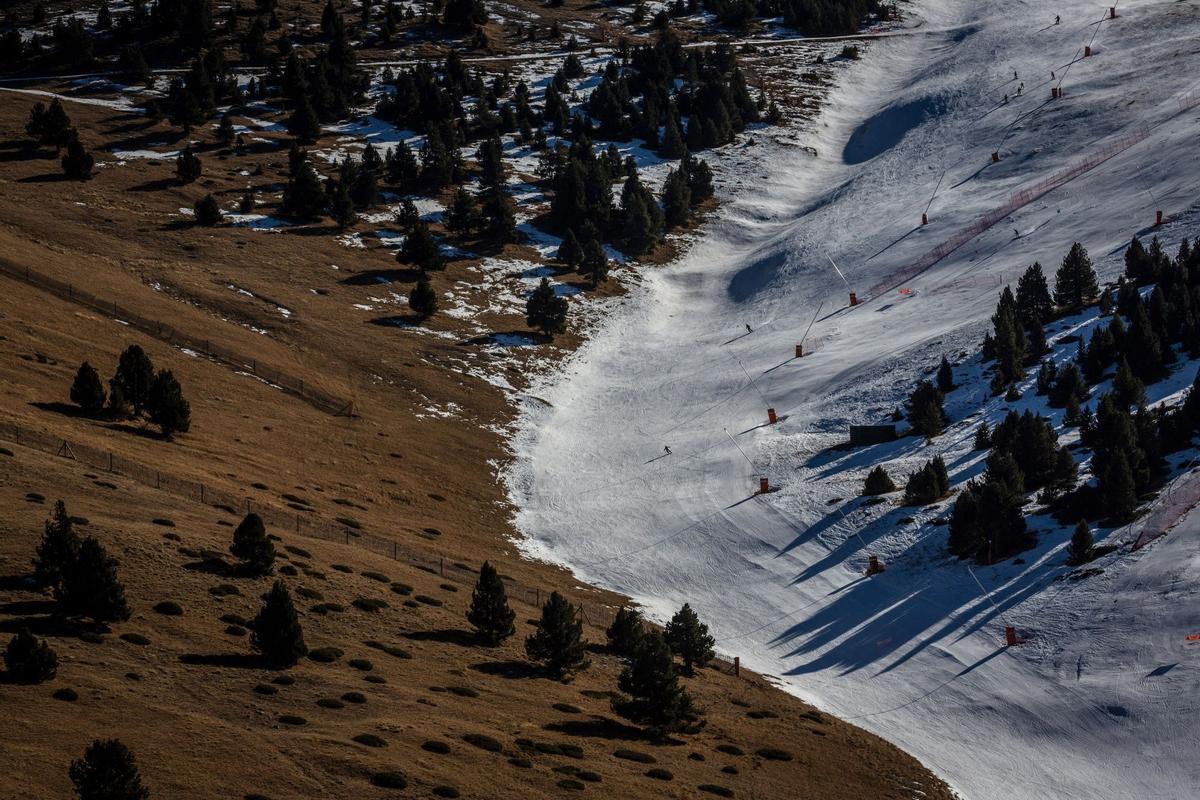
599 728
230 660
66 409
444 636
17 583
155 185
135 430
18 608
212 566
377 277
508 669
49 177
55 625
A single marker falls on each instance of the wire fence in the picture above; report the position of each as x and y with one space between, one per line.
344 529
314 396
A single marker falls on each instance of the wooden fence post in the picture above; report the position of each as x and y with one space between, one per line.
442 566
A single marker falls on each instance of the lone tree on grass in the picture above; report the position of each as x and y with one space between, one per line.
252 546
489 612
107 771
187 166
657 700
29 661
87 391
878 482
207 211
557 640
90 586
277 633
689 639
420 248
168 410
1080 551
134 376
50 125
77 162
423 299
625 632
545 310
57 550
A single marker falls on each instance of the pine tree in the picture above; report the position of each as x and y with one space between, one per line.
983 437
420 249
700 178
1139 267
187 166
924 410
570 252
677 199
625 631
1075 283
1080 551
672 143
207 211
77 162
50 125
277 632
341 207
689 639
878 482
463 215
90 587
168 410
107 771
225 130
1127 389
595 262
57 550
489 612
252 546
1117 489
29 661
1033 296
423 300
134 376
557 640
500 217
1143 348
945 377
303 123
545 310
87 391
658 701
304 197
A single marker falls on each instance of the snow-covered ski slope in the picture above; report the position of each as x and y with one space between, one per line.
1102 701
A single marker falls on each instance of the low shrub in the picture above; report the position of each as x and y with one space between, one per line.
283 680
361 664
331 703
374 679
427 600
483 742
169 608
522 763
377 576
341 568
292 719
371 605
135 638
570 783
730 749
445 791
233 619
434 746
402 588
309 594
370 740
66 694
773 754
659 774
325 655
567 708
389 780
635 755
462 691
712 788
730 770
357 698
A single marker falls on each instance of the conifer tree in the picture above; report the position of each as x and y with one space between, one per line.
945 377
700 178
501 220
27 660
1080 551
463 214
303 123
557 640
422 299
1127 389
657 699
595 262
276 630
689 639
878 482
1139 267
134 376
87 391
50 125
677 199
207 211
187 166
545 310
90 587
57 550
77 162
304 197
489 611
341 207
1143 348
168 410
1075 283
420 249
924 410
570 252
1117 488
672 143
625 631
983 436
1033 296
107 771
252 546
225 130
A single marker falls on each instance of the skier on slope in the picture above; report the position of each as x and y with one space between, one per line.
749 329
666 450
1057 19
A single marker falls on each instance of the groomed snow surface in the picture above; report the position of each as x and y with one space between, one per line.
1101 702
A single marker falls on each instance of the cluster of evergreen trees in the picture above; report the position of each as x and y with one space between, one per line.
50 125
134 390
80 572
